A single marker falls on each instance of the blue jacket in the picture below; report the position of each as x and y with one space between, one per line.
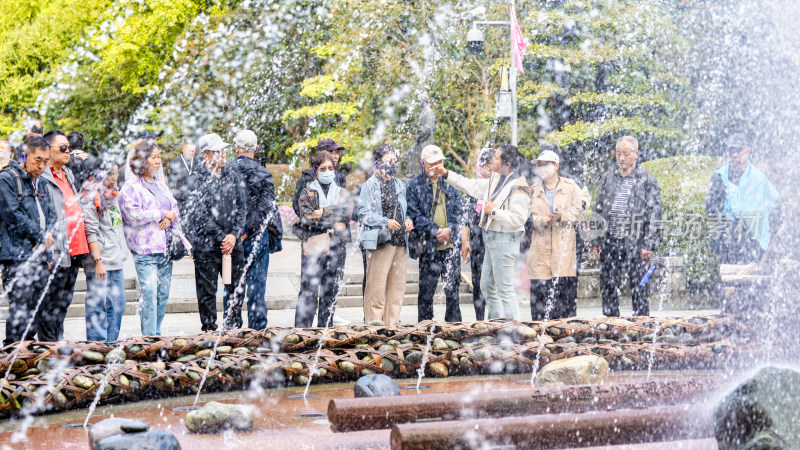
370 211
20 230
420 202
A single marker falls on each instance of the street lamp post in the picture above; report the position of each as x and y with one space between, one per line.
475 45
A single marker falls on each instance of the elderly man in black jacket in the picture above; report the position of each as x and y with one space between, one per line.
26 233
629 199
263 229
435 207
220 195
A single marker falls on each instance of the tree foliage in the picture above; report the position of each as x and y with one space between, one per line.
296 71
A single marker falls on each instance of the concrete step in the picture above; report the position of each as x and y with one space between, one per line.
411 288
79 297
80 283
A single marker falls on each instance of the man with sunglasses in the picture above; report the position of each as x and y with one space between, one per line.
26 233
71 244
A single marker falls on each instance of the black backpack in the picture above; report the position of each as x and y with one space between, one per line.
20 188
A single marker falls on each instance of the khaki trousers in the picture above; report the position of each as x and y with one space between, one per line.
386 284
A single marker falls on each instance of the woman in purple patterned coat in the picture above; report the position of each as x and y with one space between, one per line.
148 210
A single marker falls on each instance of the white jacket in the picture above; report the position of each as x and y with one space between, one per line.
511 204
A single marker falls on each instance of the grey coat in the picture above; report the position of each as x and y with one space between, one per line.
105 229
370 211
61 247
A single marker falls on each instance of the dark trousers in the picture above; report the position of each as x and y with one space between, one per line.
476 265
23 285
53 311
560 293
320 279
207 269
432 265
256 252
616 258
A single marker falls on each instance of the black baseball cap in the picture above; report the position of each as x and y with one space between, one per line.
329 145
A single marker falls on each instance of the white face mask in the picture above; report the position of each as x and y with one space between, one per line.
547 172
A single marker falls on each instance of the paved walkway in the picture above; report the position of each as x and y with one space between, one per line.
282 287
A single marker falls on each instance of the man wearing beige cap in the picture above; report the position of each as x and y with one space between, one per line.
435 208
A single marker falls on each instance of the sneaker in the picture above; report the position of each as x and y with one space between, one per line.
338 321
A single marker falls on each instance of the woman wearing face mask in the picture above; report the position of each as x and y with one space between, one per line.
472 235
148 209
382 210
556 207
105 286
323 228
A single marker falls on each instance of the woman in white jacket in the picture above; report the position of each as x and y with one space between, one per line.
506 199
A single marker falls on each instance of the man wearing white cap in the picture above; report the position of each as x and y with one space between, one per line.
263 226
220 215
435 208
556 207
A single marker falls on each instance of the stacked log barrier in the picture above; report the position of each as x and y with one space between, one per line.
67 375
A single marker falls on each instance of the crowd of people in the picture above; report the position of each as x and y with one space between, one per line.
63 210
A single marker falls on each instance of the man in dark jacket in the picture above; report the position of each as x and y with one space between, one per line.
80 162
262 210
183 174
26 234
629 199
217 232
435 208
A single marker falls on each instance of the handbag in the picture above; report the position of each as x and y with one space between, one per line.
317 246
175 248
385 234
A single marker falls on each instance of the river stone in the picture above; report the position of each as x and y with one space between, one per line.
414 357
111 427
214 417
584 369
439 344
146 440
115 356
764 409
204 353
92 356
438 369
83 382
526 332
375 386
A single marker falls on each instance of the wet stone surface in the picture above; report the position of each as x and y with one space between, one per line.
375 386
